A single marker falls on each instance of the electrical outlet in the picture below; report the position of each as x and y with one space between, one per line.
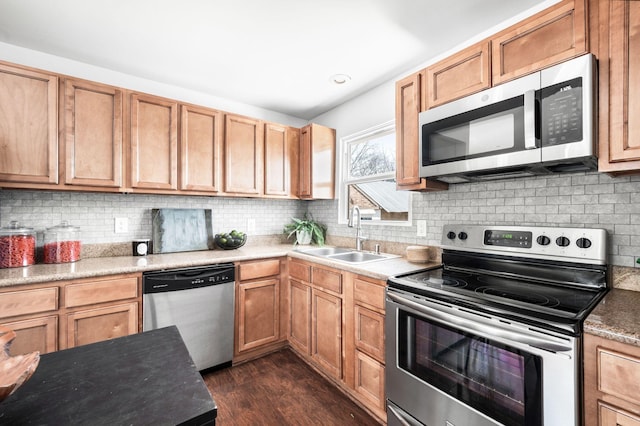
121 225
422 228
251 226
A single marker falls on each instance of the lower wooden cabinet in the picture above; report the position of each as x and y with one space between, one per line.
300 316
611 382
326 332
51 316
259 326
369 381
34 334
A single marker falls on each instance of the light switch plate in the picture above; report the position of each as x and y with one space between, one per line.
121 225
422 228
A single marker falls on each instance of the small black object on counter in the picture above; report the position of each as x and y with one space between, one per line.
145 378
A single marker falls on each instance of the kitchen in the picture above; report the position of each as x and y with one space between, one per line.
591 200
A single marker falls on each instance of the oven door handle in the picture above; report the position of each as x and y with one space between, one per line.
402 417
464 321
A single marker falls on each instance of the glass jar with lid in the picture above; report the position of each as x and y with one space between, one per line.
17 246
62 243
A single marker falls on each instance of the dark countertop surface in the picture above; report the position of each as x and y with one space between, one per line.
616 317
142 379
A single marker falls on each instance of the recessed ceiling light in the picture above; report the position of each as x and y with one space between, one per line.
339 79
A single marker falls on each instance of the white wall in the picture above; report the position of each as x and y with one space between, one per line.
57 64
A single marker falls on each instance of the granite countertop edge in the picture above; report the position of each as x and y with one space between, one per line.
615 317
102 266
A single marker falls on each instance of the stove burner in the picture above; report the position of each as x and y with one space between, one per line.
444 282
526 296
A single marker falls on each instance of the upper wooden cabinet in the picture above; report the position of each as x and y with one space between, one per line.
28 126
154 143
409 103
92 128
281 162
317 162
551 36
618 48
466 72
200 149
244 155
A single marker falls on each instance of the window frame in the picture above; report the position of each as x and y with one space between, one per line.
343 181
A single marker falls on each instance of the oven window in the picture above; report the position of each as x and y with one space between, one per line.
497 380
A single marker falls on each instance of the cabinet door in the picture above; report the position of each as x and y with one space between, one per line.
154 142
98 324
370 381
466 72
300 316
326 332
612 416
409 103
92 134
551 36
258 313
244 157
369 332
28 126
34 334
304 180
317 162
280 160
619 86
200 142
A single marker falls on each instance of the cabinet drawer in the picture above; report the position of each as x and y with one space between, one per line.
327 279
619 375
92 292
299 271
263 268
368 293
369 332
369 377
24 302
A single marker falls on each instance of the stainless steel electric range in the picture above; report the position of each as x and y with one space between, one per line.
493 337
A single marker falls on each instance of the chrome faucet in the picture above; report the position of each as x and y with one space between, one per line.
355 211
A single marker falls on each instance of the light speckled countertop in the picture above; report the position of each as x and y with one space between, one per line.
98 266
617 317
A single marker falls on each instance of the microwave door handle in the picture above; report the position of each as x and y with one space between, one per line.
530 119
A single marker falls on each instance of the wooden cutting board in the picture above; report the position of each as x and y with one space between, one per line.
176 230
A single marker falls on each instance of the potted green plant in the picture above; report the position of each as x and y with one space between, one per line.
307 230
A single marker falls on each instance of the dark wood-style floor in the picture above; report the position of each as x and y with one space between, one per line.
280 389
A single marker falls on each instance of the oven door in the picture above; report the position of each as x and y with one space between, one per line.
450 366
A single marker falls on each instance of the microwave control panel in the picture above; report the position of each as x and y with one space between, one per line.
561 113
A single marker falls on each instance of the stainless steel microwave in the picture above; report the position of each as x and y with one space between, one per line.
537 124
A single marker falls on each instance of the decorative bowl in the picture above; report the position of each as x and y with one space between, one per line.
231 240
14 370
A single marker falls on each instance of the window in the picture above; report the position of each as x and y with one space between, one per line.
369 178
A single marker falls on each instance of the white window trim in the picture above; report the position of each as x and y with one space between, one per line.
342 173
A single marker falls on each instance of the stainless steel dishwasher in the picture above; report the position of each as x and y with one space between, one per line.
200 302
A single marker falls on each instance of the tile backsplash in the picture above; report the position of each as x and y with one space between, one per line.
591 200
588 200
95 213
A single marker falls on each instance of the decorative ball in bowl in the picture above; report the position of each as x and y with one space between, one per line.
232 240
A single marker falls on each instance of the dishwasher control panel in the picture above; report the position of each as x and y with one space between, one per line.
183 279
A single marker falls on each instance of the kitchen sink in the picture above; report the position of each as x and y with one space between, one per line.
324 251
346 255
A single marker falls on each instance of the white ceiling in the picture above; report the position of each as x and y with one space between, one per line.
274 54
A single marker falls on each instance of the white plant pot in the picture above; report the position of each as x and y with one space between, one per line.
303 237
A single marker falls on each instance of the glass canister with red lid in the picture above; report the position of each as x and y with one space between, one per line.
62 243
17 246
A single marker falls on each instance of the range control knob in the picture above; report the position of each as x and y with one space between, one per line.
543 240
462 235
451 235
584 243
563 241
